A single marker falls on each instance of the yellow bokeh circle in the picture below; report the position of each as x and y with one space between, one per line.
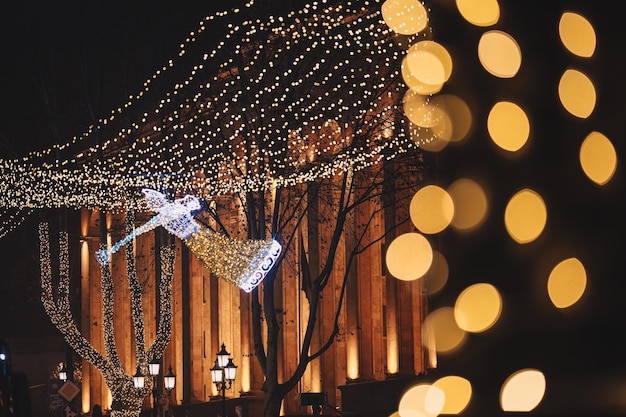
525 216
431 209
457 391
567 283
577 34
577 93
499 54
508 126
598 158
478 308
406 17
479 12
409 256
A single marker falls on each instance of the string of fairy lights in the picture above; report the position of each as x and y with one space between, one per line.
273 103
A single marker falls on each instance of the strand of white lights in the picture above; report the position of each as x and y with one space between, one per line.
12 219
252 112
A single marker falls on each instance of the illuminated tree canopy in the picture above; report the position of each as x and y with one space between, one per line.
225 117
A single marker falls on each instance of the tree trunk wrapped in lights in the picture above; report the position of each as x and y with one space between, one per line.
127 400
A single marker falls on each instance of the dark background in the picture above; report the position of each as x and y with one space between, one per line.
52 51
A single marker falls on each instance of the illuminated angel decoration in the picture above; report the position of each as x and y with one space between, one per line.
242 263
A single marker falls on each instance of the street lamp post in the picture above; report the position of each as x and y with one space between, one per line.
154 367
223 374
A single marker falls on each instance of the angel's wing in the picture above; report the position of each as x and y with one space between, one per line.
154 199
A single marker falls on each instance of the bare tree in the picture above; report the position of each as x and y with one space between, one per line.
127 399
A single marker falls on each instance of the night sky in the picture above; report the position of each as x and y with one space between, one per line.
580 349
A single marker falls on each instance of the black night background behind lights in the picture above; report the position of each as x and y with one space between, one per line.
579 349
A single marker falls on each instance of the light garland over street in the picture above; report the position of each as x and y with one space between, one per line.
273 103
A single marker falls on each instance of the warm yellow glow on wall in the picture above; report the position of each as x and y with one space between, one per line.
499 54
523 391
577 34
567 283
478 308
508 126
441 331
406 17
479 12
457 392
431 209
577 93
470 204
352 363
392 354
409 256
437 275
455 119
598 158
525 216
421 400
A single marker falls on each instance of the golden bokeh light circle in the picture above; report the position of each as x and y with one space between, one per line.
481 13
406 17
523 391
421 400
414 84
431 209
525 216
508 126
470 204
577 93
577 34
478 308
457 391
598 158
455 121
441 331
436 277
419 111
409 256
567 283
499 54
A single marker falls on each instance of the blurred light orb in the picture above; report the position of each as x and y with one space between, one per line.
567 283
470 204
478 308
479 12
523 391
422 400
577 34
406 17
455 120
409 256
436 277
425 138
431 209
419 111
414 84
429 62
457 392
525 216
508 126
499 54
577 93
441 331
598 158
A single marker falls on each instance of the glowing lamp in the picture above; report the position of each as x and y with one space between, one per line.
138 379
63 373
154 367
169 380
